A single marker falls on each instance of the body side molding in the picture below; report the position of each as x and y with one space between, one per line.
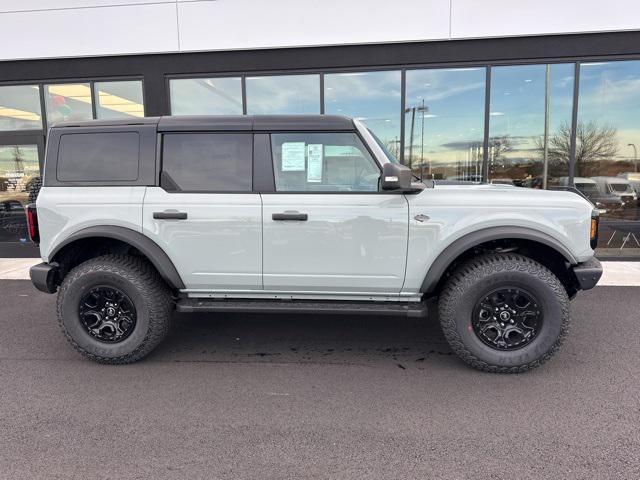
145 245
457 247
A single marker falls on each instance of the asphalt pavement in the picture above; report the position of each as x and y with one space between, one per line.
297 397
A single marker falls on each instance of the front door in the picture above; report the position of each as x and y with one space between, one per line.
204 214
327 228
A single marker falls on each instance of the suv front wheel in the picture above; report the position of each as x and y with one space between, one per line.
504 313
114 309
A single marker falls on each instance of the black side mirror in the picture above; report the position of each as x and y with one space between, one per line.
395 177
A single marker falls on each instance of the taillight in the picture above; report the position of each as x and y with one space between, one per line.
32 222
593 231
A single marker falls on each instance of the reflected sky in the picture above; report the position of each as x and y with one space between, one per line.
283 94
373 97
206 96
610 95
445 107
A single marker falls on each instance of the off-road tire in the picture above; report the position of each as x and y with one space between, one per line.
469 283
139 280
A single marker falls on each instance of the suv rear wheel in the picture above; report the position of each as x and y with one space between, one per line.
114 309
504 313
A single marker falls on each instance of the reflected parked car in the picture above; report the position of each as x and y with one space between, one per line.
590 189
634 179
620 187
13 221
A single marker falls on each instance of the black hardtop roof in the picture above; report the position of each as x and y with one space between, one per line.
227 122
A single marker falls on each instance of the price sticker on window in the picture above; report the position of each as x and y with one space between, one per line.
314 162
293 156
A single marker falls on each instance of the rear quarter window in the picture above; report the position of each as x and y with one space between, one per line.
98 157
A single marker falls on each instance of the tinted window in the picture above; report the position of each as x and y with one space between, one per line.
323 162
119 99
207 162
283 94
94 157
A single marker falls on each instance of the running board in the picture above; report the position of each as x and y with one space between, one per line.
404 309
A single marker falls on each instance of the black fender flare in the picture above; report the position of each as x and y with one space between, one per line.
470 240
144 244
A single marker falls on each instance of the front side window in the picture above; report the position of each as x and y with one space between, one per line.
207 162
323 162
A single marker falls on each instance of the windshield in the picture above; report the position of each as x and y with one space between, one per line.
620 187
389 155
587 187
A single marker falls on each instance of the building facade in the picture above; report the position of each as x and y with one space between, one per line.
536 94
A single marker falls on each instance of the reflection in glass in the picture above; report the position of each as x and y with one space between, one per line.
118 99
20 108
444 122
19 168
607 140
529 116
290 94
206 96
68 101
373 97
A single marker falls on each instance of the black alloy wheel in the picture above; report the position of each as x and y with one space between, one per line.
107 314
507 318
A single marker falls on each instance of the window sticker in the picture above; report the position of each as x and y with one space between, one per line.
293 156
314 162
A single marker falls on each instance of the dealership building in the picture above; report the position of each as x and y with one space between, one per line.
535 93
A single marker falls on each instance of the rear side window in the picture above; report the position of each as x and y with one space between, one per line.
98 157
207 162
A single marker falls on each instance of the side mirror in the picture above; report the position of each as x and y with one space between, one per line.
395 177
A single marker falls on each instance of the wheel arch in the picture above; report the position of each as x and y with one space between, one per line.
116 238
553 252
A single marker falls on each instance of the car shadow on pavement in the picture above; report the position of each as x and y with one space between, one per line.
295 338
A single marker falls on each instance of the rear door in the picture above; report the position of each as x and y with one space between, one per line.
204 214
327 226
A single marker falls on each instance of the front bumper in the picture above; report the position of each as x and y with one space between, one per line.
44 276
588 273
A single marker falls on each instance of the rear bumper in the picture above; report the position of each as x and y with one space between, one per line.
43 276
588 273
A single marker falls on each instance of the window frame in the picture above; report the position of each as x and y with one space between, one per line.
160 159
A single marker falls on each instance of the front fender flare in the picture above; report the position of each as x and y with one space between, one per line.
144 244
470 240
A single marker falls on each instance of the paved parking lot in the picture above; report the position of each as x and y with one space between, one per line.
275 397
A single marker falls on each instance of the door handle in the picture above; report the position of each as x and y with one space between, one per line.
170 215
290 216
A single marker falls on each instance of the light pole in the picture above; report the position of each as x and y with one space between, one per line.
423 108
635 156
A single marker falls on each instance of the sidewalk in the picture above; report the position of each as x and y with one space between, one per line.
615 273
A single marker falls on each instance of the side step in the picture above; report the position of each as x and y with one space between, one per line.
404 309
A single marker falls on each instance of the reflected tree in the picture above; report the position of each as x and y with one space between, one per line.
594 143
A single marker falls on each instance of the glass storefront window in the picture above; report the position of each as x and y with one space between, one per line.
373 97
68 102
20 108
607 140
19 167
206 96
118 99
289 94
526 102
444 122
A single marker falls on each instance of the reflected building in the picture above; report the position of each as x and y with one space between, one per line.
478 102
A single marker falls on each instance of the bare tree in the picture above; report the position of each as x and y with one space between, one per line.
594 143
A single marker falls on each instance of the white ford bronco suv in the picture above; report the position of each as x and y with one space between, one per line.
295 213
